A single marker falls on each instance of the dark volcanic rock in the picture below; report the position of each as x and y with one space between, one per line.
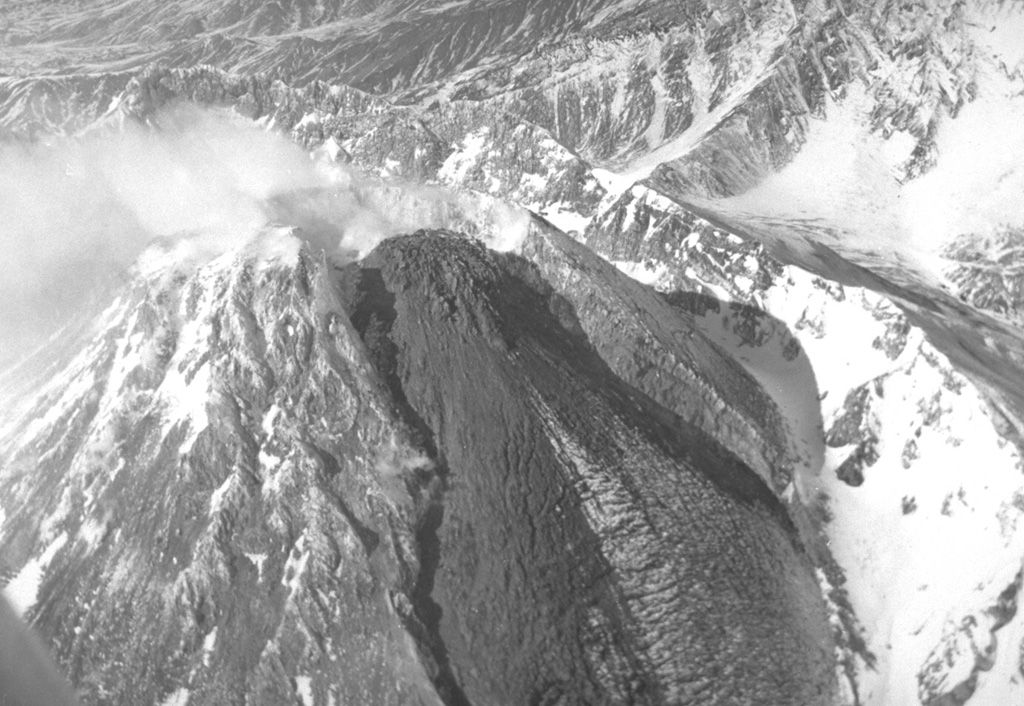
856 425
659 349
587 541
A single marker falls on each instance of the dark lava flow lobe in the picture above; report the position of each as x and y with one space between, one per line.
583 549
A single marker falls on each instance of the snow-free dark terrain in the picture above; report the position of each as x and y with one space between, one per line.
496 352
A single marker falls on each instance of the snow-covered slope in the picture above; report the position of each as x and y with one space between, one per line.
172 496
907 461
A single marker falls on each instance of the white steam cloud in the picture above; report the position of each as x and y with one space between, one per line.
398 458
76 213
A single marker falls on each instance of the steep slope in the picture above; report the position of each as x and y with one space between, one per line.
660 350
627 538
228 496
208 503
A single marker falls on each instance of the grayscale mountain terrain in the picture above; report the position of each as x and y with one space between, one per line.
499 352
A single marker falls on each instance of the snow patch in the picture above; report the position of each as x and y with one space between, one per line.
269 461
614 184
304 688
841 169
830 328
295 566
998 31
565 217
331 148
642 272
208 644
186 401
23 590
269 420
92 532
258 559
217 499
848 181
176 698
458 164
308 120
